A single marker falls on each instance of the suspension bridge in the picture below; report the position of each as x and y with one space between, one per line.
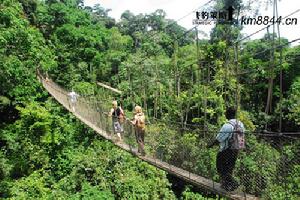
92 113
86 112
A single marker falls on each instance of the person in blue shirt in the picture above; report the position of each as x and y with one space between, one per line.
226 157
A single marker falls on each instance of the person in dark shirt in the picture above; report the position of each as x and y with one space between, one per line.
227 156
117 115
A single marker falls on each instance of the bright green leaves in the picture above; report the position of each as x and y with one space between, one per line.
292 103
84 88
42 140
22 50
102 170
30 139
189 195
4 101
11 15
59 158
31 187
79 53
117 41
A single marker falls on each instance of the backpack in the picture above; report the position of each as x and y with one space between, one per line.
237 140
122 115
139 122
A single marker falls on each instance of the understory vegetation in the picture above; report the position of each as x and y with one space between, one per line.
184 86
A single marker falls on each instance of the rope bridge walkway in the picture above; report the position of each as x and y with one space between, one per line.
91 113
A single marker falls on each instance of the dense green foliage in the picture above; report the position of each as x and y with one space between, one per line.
47 154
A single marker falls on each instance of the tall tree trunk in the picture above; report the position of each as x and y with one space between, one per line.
155 105
176 70
131 88
144 92
145 100
178 85
160 104
269 98
156 91
271 79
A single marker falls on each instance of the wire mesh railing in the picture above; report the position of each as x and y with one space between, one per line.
268 168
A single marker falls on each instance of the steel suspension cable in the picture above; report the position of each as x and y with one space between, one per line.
261 52
281 73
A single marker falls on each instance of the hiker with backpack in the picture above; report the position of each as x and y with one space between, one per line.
139 126
231 139
117 115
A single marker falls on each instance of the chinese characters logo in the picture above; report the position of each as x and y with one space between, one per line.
209 17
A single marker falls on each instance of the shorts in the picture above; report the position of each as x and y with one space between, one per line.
117 127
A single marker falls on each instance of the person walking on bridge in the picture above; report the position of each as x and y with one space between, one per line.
73 100
139 126
231 140
117 115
